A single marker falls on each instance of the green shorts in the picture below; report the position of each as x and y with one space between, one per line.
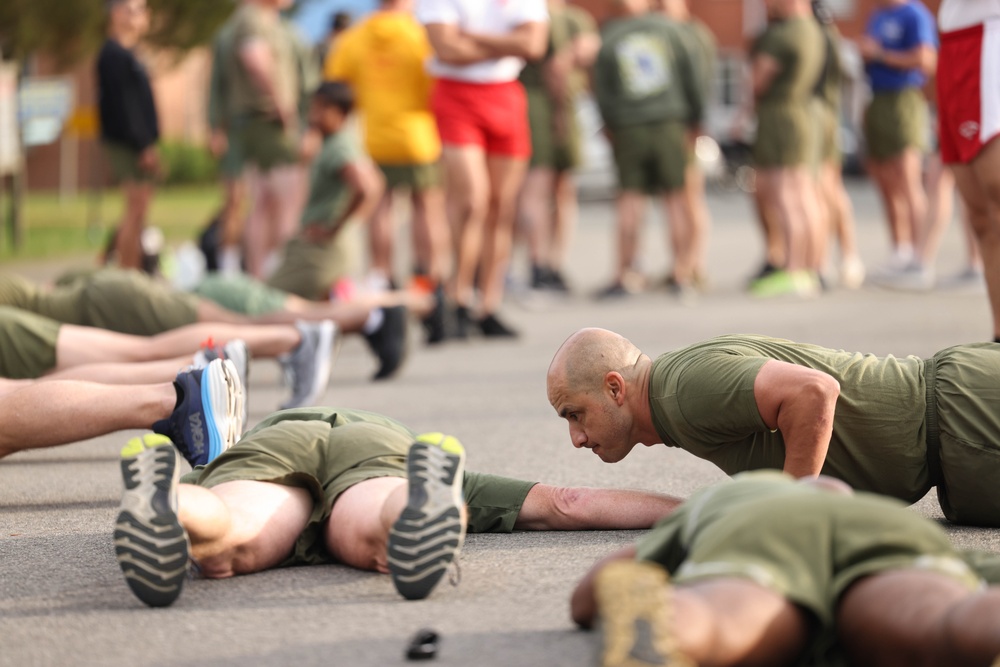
811 552
124 161
548 151
416 177
326 461
233 162
27 343
967 401
133 303
827 129
785 137
895 121
241 293
264 143
309 269
651 157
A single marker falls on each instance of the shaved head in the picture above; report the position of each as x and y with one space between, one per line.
587 356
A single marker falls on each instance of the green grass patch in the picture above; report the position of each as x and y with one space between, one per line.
56 228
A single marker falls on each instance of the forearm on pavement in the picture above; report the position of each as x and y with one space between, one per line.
579 508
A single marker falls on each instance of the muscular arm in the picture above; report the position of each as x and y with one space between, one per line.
453 47
800 402
561 508
527 41
763 70
582 604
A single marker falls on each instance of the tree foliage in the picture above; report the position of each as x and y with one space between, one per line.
71 30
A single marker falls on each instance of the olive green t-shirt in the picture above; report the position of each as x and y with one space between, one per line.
565 25
219 99
252 23
705 48
702 401
328 194
645 73
63 304
798 46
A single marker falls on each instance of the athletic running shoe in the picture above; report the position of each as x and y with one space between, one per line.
236 351
913 277
493 327
435 322
389 342
429 533
208 418
150 544
633 602
852 272
310 363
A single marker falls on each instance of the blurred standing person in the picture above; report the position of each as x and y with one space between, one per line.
835 204
786 62
263 69
225 145
968 86
383 59
900 50
480 47
340 23
129 125
646 88
694 178
548 204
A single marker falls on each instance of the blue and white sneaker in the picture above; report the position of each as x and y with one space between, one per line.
237 352
208 418
151 546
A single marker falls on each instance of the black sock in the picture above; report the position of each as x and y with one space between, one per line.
997 339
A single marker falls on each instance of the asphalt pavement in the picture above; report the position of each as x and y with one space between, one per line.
63 600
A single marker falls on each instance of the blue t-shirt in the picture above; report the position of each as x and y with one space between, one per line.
900 28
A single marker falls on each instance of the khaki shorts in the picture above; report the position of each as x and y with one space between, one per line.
133 303
241 294
813 553
124 161
265 144
651 157
548 151
785 137
27 343
326 461
895 121
827 129
309 269
967 397
416 177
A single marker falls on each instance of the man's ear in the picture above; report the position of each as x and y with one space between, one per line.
614 384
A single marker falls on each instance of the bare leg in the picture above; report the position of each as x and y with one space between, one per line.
536 203
912 188
432 237
774 243
840 209
128 242
259 217
358 531
467 201
46 414
915 618
84 345
138 372
233 219
506 175
631 206
380 235
682 235
979 185
701 220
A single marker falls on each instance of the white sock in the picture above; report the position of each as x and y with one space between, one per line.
374 321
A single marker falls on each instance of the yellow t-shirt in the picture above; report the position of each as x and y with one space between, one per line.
383 59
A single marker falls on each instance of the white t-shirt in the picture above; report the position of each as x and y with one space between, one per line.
495 17
958 14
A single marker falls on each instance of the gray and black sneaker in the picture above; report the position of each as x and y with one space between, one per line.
237 352
428 535
309 365
150 543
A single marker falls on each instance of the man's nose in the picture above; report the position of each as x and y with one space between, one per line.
578 437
